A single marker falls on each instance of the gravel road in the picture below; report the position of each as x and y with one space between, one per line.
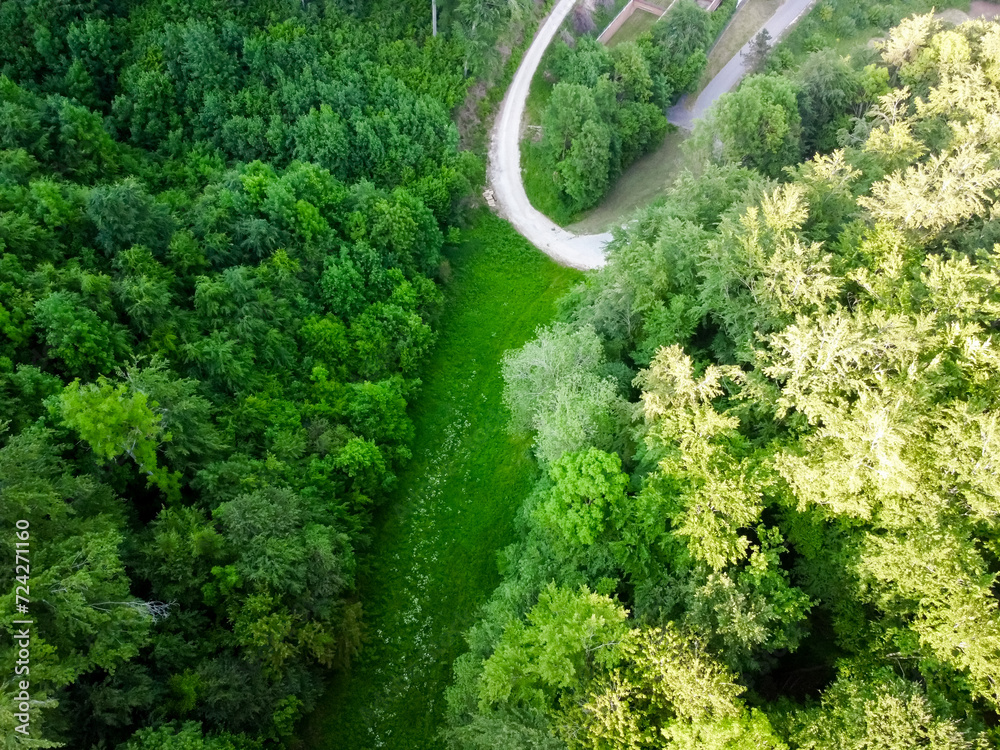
582 251
579 251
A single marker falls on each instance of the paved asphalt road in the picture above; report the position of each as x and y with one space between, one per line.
684 113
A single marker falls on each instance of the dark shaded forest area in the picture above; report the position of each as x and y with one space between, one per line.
220 229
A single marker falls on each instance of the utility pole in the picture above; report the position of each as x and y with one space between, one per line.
434 18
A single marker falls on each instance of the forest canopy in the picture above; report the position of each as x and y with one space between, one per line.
220 230
766 433
769 439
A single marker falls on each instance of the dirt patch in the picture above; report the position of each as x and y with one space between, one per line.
582 16
467 118
583 20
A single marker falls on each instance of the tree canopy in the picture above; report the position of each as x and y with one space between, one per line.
221 229
783 533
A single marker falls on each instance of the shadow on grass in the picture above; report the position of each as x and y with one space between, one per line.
640 185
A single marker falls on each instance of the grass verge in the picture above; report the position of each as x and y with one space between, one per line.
640 184
432 561
541 190
637 24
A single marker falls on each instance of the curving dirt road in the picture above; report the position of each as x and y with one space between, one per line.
582 251
578 251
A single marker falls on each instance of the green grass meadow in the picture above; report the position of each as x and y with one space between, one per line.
433 557
637 24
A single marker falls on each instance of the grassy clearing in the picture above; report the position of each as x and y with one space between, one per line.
539 91
637 24
432 562
639 186
848 25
